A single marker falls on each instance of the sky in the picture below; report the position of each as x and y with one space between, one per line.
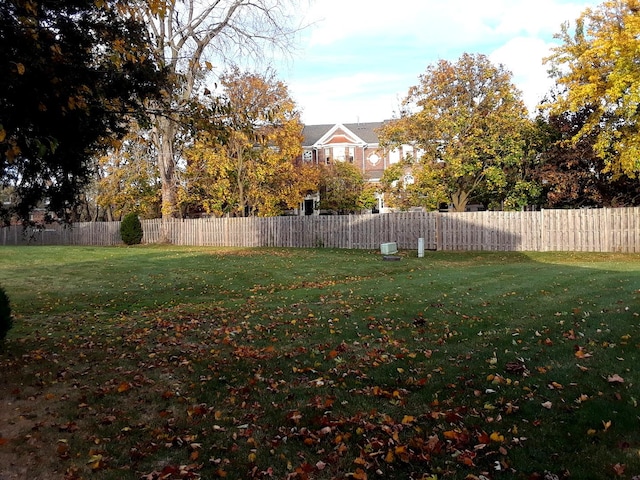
358 59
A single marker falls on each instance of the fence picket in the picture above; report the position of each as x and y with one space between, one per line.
598 230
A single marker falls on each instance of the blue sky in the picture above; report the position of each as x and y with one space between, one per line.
359 58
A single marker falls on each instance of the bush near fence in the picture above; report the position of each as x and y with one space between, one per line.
597 230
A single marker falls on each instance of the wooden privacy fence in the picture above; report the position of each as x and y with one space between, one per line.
596 230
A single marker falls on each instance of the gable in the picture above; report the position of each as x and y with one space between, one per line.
352 133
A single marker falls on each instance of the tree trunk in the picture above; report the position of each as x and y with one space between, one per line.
165 133
459 200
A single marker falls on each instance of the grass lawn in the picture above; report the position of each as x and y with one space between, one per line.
180 363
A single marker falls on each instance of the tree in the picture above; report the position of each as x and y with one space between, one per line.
250 164
572 173
127 178
468 119
342 189
69 72
187 35
402 193
598 66
131 230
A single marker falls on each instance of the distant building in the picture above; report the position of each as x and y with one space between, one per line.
356 143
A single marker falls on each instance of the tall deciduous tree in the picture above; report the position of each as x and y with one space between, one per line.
250 165
468 118
598 64
69 71
187 36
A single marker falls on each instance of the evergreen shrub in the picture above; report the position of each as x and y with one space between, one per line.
131 229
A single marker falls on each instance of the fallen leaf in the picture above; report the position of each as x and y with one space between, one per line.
547 405
615 378
581 353
123 387
619 469
96 462
359 474
408 419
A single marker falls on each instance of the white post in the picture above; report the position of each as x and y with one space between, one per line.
420 247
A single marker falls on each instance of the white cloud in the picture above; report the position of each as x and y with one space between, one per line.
524 58
360 97
361 57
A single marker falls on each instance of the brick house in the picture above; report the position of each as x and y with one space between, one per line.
356 143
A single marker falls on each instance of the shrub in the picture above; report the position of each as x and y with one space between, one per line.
5 315
131 229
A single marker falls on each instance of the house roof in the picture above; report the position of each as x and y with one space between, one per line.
364 131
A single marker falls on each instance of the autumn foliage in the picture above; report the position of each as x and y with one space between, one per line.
596 66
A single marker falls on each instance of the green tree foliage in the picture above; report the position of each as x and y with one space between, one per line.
342 189
6 322
68 72
597 64
468 119
131 229
403 194
250 165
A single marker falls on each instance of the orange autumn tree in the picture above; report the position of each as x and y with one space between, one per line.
248 166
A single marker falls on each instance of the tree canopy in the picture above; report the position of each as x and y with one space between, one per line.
597 65
467 119
69 72
187 38
245 161
343 189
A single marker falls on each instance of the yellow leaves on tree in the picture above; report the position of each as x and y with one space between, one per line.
250 165
597 64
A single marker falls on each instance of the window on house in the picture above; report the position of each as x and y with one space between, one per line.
409 180
339 154
307 156
327 155
394 156
351 154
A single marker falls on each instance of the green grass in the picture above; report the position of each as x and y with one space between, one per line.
281 363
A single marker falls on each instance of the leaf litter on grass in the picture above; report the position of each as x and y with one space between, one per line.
338 383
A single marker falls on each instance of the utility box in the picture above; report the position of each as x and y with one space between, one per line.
388 248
